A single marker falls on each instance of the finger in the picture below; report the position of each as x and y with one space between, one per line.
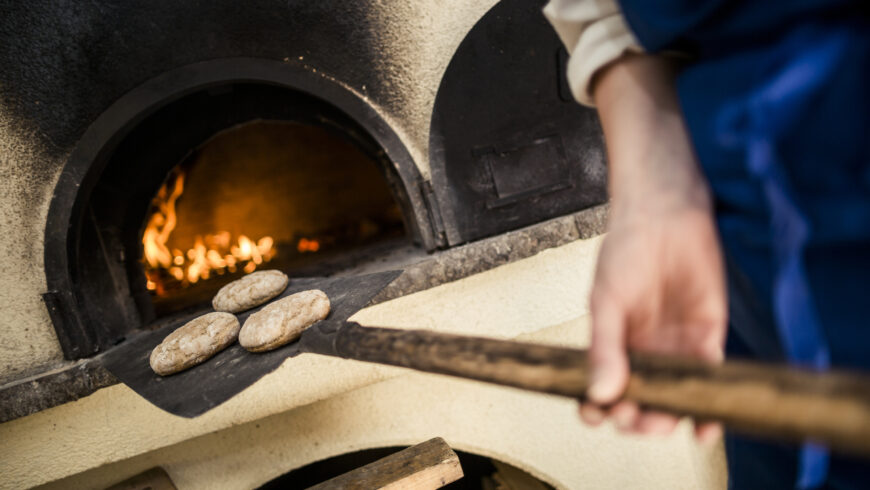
708 342
708 433
607 357
624 415
708 328
712 351
655 423
591 414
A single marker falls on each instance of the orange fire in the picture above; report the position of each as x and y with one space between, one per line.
216 253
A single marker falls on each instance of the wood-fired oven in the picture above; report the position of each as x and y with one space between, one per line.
153 151
508 147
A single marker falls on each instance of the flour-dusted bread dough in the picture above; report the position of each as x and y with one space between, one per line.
194 342
284 320
250 291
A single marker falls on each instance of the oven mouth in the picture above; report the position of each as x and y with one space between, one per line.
284 182
101 284
265 194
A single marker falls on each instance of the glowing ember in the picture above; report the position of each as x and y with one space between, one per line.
306 245
210 254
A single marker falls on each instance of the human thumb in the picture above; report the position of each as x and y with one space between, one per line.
608 360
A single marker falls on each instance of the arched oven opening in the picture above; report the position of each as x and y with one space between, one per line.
282 180
298 197
239 177
227 178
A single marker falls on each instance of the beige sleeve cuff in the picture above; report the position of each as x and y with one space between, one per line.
595 33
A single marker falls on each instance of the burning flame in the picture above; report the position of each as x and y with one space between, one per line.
216 253
161 223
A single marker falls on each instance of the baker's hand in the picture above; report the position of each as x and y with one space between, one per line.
659 286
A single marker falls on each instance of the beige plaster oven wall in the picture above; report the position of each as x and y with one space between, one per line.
29 342
417 38
540 434
314 407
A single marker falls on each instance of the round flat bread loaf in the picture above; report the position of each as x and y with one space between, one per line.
250 291
284 320
194 342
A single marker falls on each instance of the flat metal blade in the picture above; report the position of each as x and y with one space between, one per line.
199 389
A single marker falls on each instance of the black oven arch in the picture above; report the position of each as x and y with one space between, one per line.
508 144
83 331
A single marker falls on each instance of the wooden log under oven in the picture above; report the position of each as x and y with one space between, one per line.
426 466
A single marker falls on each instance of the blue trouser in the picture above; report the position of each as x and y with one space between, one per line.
761 463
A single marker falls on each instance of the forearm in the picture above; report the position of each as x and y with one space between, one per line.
651 162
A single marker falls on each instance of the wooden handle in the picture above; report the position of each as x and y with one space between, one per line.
831 408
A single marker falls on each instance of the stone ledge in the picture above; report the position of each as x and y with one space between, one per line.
68 383
56 387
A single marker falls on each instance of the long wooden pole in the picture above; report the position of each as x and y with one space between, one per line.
831 408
